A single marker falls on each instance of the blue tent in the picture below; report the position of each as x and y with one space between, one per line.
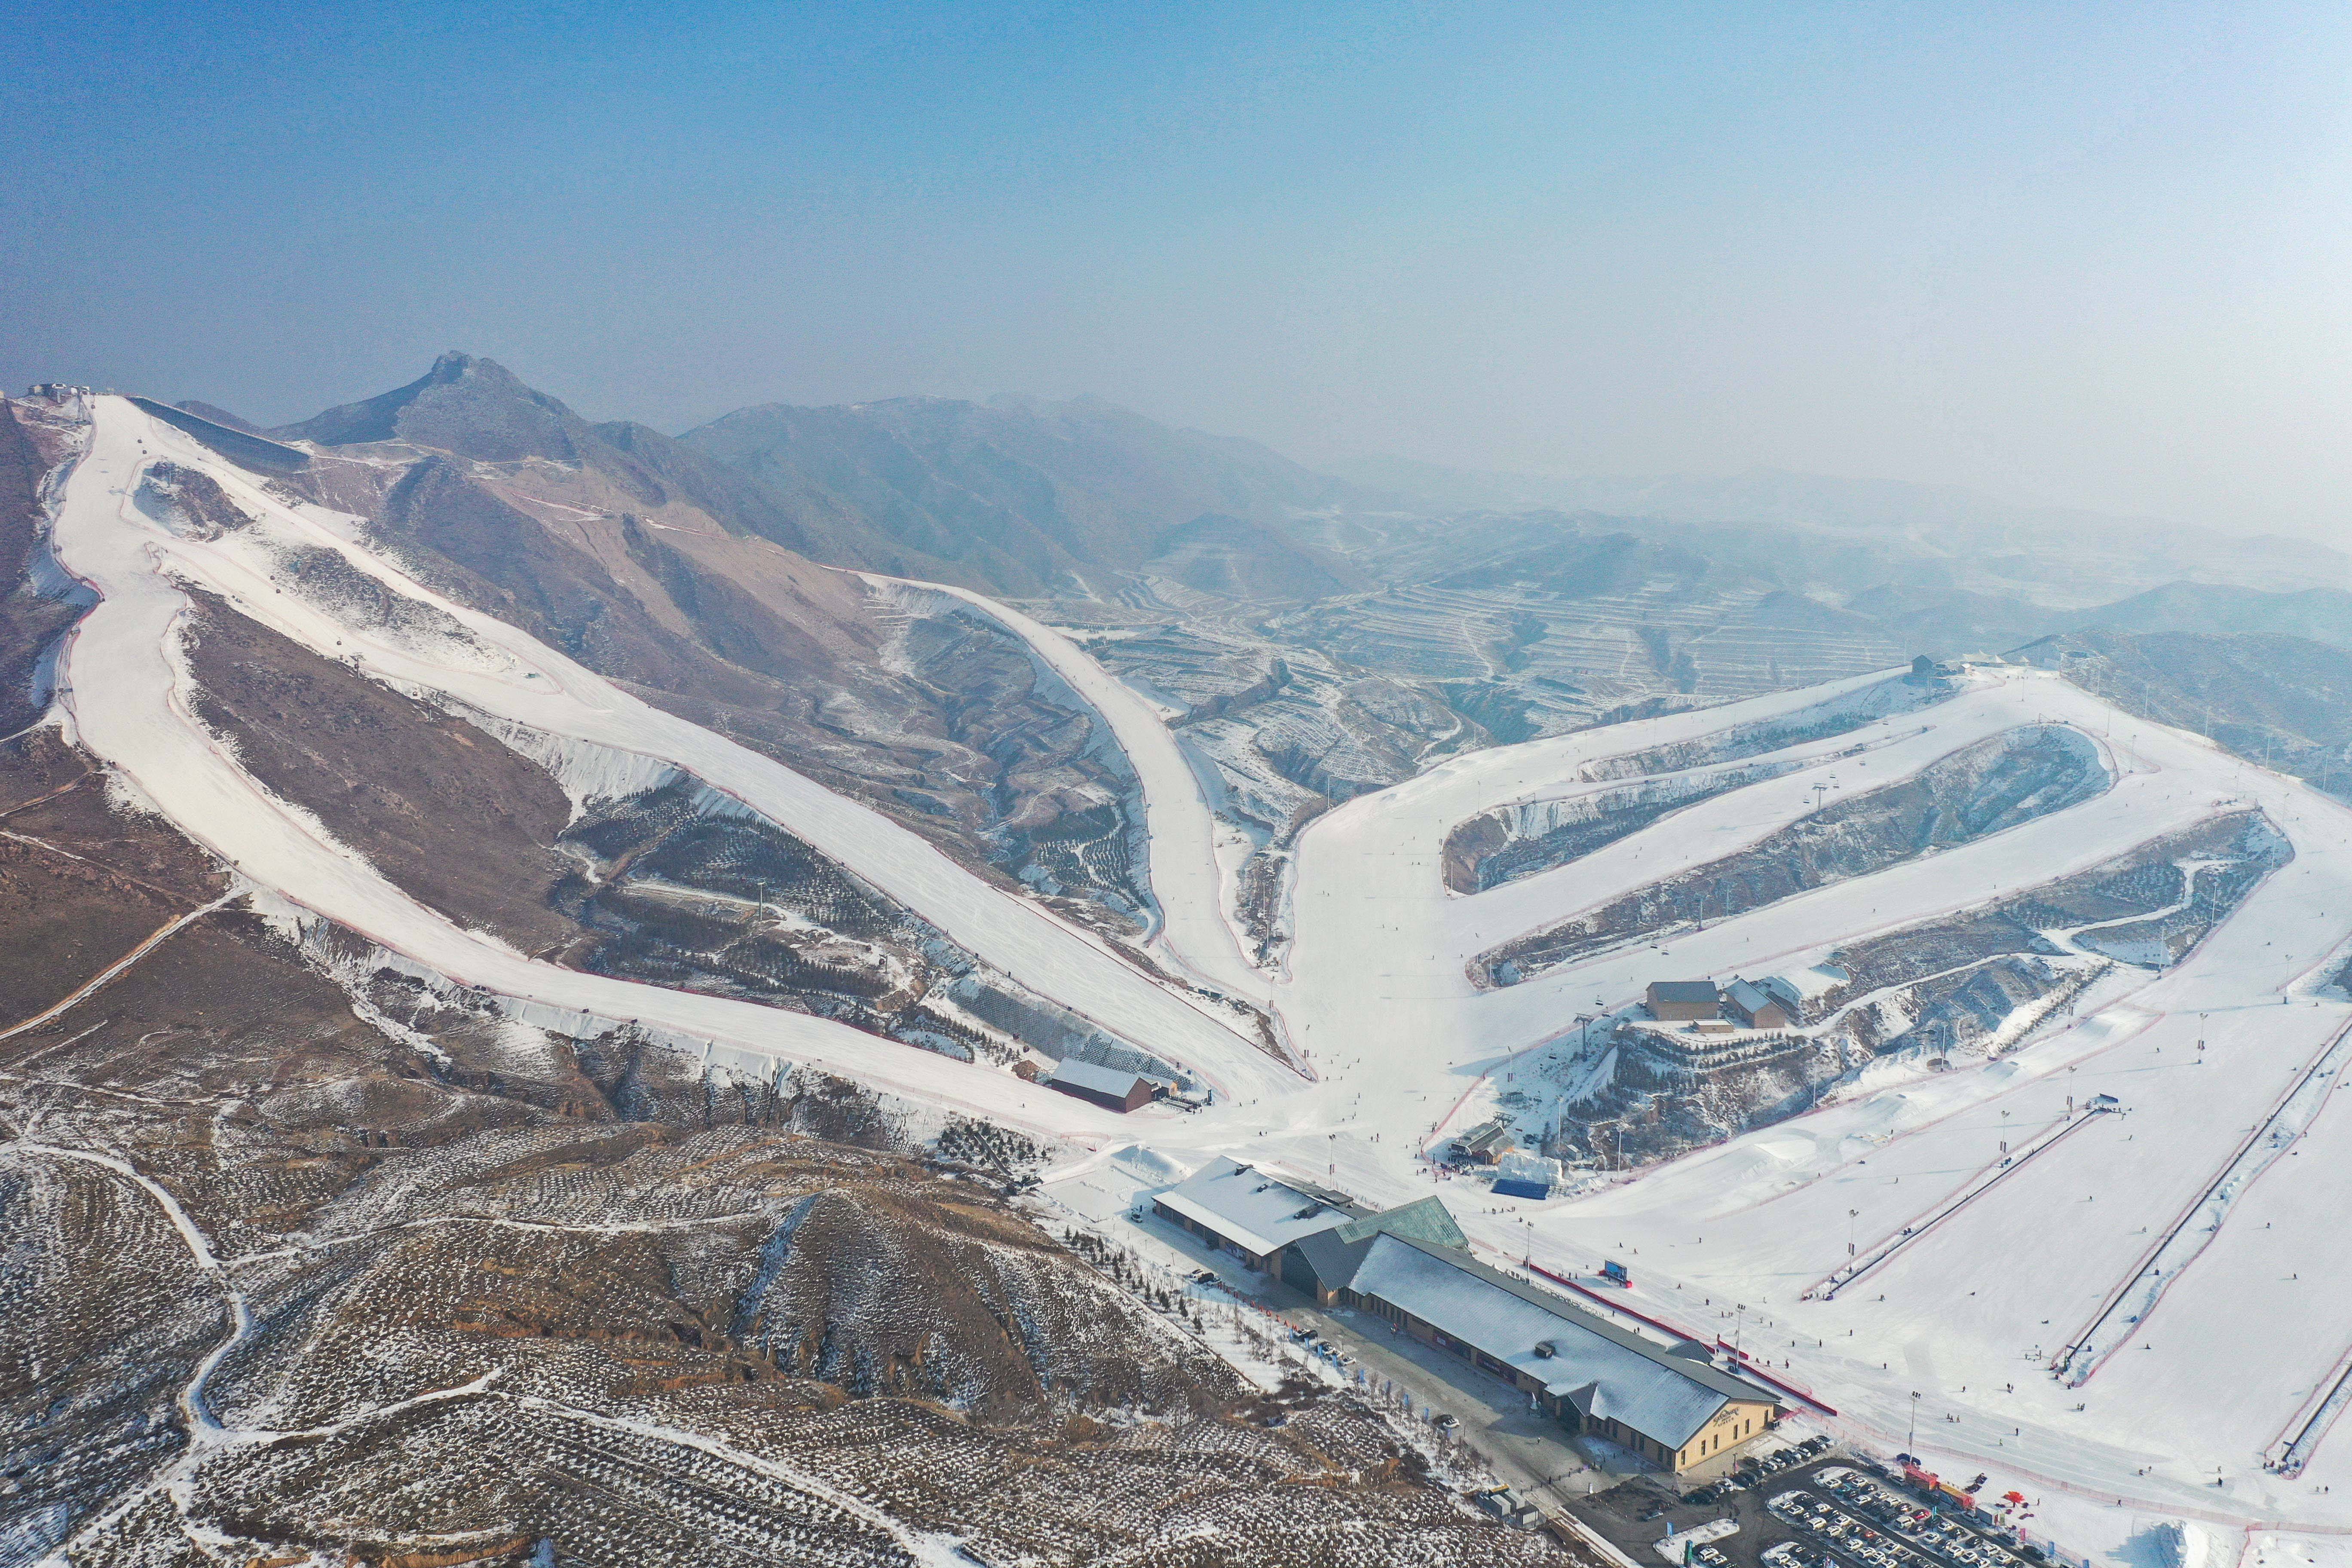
1510 1188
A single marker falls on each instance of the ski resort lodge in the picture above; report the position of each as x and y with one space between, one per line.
1410 1267
1668 1404
1755 1007
1244 1210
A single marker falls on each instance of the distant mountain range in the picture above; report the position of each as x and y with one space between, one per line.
1016 496
2003 541
1033 499
1022 496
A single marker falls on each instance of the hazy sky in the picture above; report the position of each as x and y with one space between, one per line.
2089 254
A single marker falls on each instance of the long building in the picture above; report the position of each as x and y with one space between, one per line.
1255 1214
1409 1266
1668 1403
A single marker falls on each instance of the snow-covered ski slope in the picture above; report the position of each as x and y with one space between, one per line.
2244 1332
1199 934
121 682
2240 1346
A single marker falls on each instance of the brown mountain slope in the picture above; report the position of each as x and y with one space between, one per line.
612 552
451 1289
1016 496
451 817
33 614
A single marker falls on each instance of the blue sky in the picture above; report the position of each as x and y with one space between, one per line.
2092 254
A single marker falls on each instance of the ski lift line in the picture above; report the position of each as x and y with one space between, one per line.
1983 1180
2148 1019
2315 1420
2249 1146
1826 1289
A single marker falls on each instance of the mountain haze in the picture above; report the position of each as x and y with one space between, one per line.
2003 541
1017 495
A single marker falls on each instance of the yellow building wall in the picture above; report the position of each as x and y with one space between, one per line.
1735 1423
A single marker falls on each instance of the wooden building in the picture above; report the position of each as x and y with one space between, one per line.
1683 999
1103 1086
1755 1007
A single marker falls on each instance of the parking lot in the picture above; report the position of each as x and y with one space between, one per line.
1824 1512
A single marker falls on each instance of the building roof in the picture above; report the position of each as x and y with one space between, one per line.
1101 1080
1263 1212
1750 999
1520 1187
1486 1137
1683 990
1603 1370
1334 1254
1424 1219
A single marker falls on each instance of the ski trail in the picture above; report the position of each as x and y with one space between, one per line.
1976 1186
119 680
1186 879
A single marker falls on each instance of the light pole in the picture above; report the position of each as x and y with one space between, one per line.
1913 1440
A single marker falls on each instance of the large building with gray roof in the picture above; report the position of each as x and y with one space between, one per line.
1668 1403
1255 1214
1408 1266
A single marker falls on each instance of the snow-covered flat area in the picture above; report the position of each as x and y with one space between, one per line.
1955 1330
